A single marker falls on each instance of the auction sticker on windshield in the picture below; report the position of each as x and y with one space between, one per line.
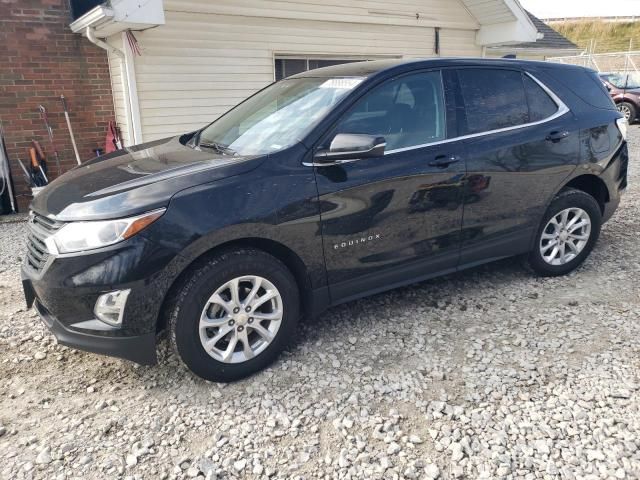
342 83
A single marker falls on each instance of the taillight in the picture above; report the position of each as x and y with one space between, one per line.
622 125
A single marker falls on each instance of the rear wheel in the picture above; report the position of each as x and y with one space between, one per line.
628 110
567 233
234 315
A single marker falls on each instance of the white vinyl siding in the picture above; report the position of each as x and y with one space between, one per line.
432 13
211 55
459 43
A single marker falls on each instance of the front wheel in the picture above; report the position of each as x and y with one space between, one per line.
567 233
234 315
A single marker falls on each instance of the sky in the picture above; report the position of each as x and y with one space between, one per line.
581 8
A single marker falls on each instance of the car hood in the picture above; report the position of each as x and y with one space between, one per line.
134 180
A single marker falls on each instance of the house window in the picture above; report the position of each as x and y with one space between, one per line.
285 67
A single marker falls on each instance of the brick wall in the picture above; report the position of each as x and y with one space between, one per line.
40 60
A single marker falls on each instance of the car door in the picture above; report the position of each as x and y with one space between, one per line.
521 144
395 218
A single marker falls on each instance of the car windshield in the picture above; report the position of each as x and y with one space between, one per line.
275 118
628 81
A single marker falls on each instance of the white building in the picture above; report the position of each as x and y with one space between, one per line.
549 44
199 58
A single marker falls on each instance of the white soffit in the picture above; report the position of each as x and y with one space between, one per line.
502 22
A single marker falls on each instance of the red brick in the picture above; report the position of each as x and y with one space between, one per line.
42 59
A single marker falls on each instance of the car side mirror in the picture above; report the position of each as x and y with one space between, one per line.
348 147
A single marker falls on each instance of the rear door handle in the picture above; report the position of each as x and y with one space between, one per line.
557 136
443 161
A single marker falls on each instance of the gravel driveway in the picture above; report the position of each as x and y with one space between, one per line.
490 373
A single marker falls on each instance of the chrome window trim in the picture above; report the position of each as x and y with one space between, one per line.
562 109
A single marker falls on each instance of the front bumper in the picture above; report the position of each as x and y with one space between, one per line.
64 294
140 348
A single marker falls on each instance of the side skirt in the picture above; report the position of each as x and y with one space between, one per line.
509 246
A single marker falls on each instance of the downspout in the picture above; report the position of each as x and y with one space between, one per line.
128 83
102 44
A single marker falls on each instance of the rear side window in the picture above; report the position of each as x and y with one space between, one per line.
493 99
586 84
540 103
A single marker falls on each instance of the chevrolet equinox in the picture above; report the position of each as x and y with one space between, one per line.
322 188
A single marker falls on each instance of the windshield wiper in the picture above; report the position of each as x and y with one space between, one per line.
218 147
193 141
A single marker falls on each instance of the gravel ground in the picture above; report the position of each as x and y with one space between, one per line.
490 373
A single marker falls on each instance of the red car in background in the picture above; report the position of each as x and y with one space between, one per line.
625 92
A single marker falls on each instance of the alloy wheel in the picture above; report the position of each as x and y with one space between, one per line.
565 236
241 319
625 111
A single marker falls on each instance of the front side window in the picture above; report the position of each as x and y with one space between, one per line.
406 111
277 117
493 99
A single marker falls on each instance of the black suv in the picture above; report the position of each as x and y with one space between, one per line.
322 188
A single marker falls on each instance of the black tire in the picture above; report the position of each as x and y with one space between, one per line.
194 293
568 198
631 109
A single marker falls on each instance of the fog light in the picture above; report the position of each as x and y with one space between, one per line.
110 307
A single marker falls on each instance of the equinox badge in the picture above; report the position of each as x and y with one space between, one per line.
356 241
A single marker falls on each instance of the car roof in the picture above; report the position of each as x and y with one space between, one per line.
374 67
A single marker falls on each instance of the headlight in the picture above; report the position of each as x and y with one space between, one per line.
79 236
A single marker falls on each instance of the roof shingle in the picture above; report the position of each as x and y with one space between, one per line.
550 40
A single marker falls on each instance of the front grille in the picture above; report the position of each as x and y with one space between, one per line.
39 229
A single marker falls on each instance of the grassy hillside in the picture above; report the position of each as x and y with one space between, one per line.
609 36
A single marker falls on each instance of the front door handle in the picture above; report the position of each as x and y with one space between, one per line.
557 136
443 161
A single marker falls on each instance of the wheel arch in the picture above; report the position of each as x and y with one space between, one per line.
624 99
592 185
280 251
